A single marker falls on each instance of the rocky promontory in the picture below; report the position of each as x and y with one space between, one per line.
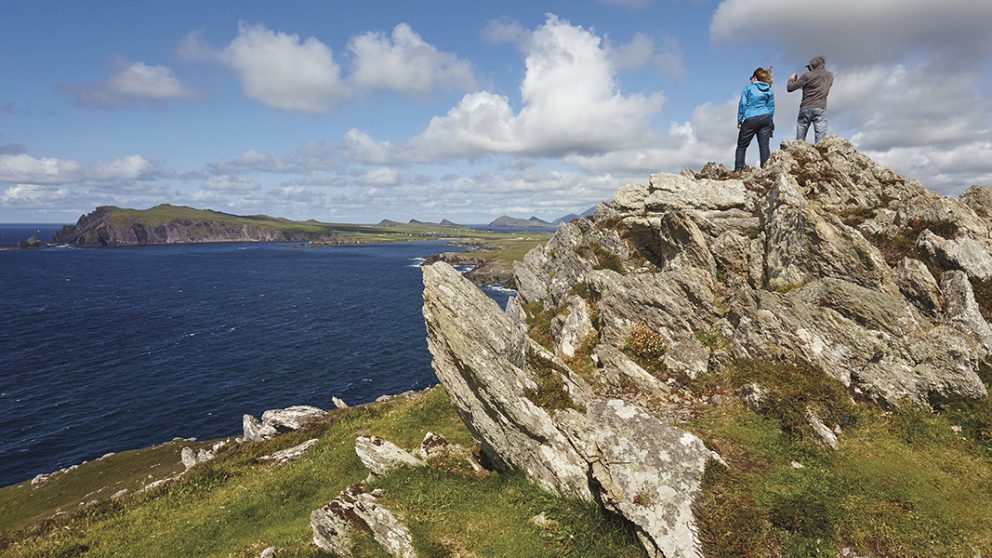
823 267
169 224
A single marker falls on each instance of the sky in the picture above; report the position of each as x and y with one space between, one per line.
359 111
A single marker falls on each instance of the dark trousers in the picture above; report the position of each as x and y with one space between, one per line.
763 126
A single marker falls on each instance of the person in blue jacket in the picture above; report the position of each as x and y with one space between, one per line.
755 116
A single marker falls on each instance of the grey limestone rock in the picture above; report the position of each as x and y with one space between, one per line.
291 418
650 473
676 304
667 191
338 403
576 327
382 456
481 358
621 372
333 524
804 244
290 454
917 284
964 253
188 458
672 241
962 311
255 431
268 552
823 432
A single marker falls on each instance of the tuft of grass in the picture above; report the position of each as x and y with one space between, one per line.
646 347
539 323
550 393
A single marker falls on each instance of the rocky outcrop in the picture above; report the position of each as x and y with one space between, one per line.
32 242
790 261
821 258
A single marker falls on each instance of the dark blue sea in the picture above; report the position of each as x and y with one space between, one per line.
106 349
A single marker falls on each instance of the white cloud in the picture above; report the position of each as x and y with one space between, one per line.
128 167
381 176
22 167
640 52
405 63
571 103
226 183
31 195
278 69
709 135
129 84
856 32
506 31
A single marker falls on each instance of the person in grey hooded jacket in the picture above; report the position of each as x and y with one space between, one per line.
815 83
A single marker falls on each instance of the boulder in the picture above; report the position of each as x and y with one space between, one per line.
332 524
804 244
648 472
382 456
671 242
188 458
291 418
625 375
255 431
822 431
289 454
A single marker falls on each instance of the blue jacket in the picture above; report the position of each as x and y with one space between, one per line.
757 99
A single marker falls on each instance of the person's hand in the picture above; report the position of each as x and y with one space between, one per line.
738 125
793 77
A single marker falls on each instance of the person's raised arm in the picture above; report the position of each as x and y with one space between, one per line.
796 83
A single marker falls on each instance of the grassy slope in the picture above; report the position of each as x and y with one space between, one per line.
236 506
903 484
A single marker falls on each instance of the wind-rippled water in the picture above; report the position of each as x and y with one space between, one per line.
115 348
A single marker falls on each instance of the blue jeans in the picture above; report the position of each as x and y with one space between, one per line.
816 117
763 126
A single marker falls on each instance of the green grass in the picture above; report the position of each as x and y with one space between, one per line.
902 484
235 506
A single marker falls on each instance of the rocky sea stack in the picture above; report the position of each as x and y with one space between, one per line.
871 288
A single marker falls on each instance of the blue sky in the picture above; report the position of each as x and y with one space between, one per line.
354 112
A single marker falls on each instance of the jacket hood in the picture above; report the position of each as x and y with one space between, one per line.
817 63
762 86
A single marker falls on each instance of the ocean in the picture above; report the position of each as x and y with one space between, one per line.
107 349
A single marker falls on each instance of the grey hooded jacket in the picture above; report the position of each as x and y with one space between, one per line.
815 84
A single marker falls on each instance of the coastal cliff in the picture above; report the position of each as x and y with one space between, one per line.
169 224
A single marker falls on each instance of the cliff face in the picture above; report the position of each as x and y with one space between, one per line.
823 260
103 227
